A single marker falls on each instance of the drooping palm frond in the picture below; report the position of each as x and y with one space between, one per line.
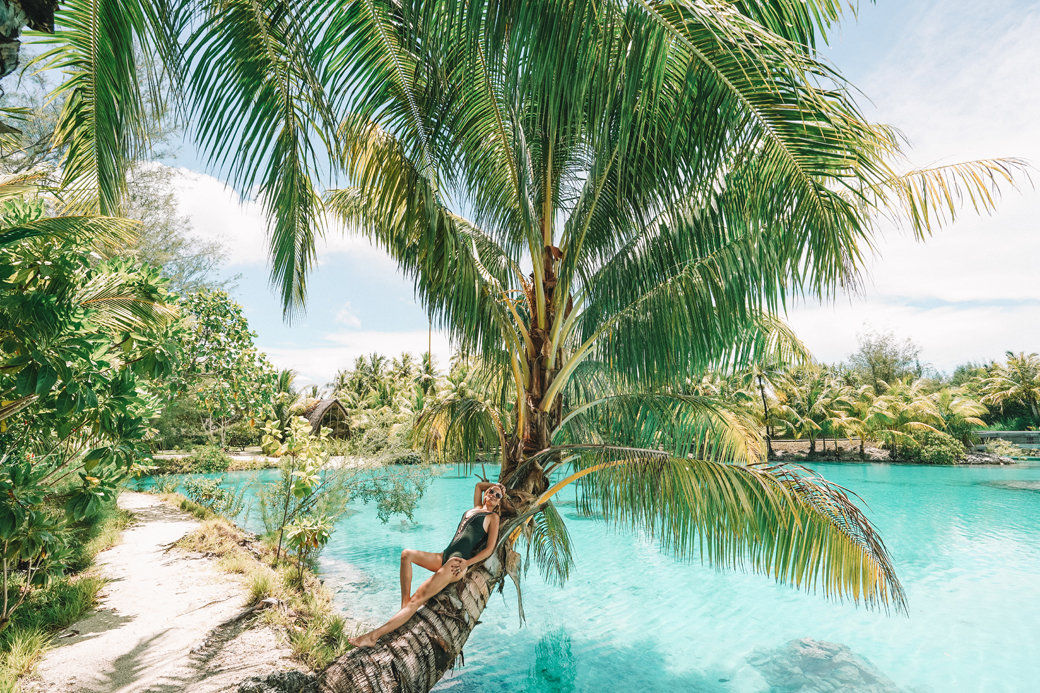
928 199
460 429
778 520
682 424
18 185
550 543
102 122
460 273
253 82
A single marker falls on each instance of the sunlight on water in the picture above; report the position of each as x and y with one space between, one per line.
964 541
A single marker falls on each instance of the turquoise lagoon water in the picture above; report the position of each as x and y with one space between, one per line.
965 542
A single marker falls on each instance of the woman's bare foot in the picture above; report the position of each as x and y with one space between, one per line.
365 640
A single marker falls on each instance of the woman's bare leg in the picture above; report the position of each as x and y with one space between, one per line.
430 561
430 588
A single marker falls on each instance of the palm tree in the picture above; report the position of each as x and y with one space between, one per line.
758 378
959 413
603 200
812 405
906 408
1017 381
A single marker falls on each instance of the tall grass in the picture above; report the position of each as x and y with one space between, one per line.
62 602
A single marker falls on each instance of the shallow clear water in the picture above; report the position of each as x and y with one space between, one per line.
964 541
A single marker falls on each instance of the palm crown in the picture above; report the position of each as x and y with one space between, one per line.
606 200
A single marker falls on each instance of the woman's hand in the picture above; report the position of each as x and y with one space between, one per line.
457 565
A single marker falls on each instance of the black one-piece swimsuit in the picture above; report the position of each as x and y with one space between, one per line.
470 538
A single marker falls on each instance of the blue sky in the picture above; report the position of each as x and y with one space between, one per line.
960 79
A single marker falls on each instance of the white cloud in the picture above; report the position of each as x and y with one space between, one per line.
317 365
347 316
961 81
219 213
948 335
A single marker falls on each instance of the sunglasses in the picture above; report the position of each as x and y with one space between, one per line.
495 494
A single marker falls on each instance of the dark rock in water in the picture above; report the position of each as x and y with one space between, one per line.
282 682
806 665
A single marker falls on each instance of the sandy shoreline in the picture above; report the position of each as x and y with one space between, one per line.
168 620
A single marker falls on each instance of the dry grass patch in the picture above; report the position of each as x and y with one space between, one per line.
304 610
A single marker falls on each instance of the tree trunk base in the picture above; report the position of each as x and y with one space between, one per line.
413 658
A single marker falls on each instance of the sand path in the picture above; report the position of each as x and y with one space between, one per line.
166 621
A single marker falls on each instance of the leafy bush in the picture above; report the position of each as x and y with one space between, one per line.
210 494
933 447
406 457
1004 448
243 434
208 458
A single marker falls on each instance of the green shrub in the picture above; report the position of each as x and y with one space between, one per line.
211 495
407 457
242 434
1004 448
933 447
208 458
373 441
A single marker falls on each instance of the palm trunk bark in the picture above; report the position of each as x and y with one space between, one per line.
765 420
413 658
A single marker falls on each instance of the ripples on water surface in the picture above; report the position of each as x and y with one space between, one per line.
964 542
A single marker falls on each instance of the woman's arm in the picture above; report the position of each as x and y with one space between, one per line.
492 540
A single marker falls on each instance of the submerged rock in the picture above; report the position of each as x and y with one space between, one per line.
807 665
282 682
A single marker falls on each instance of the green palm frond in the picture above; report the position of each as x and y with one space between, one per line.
17 185
123 303
102 233
460 273
102 121
253 82
550 543
682 424
460 429
778 520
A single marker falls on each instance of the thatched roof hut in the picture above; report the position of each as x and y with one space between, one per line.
328 413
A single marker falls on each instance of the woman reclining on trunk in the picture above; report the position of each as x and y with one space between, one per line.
474 541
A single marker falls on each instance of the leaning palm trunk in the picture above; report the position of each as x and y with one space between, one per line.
413 658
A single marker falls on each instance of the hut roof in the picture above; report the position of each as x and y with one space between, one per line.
316 411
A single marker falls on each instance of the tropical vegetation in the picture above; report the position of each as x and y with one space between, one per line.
607 205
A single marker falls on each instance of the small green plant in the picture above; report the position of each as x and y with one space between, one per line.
164 485
1004 448
307 536
210 494
933 447
208 458
262 584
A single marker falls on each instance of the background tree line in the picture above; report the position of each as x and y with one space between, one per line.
883 396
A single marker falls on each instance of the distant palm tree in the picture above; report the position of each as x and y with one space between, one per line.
813 404
906 408
959 413
1017 381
